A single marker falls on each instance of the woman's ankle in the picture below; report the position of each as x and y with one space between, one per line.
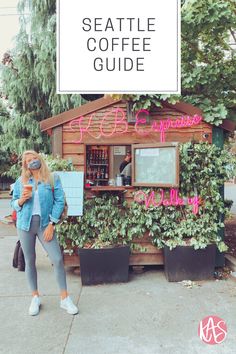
64 294
35 293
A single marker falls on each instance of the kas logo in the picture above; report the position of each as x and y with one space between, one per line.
212 330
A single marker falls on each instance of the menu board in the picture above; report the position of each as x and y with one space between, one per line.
156 166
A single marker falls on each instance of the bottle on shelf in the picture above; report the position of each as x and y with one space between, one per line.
106 157
106 172
98 174
87 158
99 156
95 156
102 157
102 173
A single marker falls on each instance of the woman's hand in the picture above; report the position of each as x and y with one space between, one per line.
48 233
24 197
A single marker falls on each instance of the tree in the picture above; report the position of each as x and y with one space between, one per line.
208 60
5 154
29 78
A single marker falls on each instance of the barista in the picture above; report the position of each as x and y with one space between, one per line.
126 161
126 171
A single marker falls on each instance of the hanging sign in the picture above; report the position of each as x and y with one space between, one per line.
119 150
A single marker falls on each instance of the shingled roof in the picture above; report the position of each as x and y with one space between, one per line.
74 113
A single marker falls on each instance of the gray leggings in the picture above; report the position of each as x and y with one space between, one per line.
28 239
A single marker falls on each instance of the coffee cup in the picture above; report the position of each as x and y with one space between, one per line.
28 187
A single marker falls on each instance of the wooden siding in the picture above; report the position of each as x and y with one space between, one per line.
71 134
73 148
145 258
75 152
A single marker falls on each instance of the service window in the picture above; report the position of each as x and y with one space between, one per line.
103 163
155 165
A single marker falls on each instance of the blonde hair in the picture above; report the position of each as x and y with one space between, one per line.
44 173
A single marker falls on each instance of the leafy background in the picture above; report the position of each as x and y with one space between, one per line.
28 73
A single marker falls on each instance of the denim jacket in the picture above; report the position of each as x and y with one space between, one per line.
51 203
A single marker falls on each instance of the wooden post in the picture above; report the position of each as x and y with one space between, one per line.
57 141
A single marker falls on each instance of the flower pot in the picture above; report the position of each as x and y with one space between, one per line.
186 263
105 265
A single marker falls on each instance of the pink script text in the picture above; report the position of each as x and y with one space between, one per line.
173 200
117 123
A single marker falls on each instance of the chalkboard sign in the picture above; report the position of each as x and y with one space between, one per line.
155 165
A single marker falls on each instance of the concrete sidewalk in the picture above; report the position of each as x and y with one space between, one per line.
147 315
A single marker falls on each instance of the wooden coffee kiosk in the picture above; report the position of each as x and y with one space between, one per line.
98 134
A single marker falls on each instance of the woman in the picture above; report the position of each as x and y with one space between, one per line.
39 208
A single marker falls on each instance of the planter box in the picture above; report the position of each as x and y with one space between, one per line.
108 265
185 263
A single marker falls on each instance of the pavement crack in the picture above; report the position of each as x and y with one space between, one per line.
70 327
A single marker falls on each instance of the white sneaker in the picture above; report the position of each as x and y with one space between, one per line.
67 304
34 306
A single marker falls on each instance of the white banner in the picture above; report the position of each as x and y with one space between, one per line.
121 47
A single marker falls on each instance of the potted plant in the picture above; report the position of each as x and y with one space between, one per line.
190 248
101 238
190 239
